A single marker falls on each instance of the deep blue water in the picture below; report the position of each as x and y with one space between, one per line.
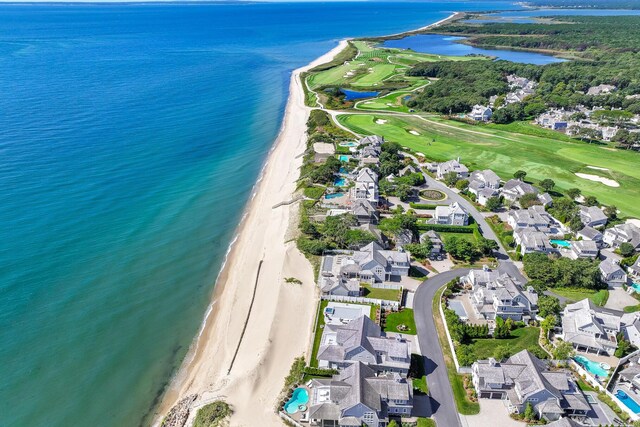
353 94
438 44
131 136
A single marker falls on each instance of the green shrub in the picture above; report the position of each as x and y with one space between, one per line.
314 192
422 206
213 414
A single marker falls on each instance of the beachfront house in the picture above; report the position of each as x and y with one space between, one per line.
590 328
361 340
452 214
357 397
592 216
366 187
612 274
480 113
522 379
365 212
455 166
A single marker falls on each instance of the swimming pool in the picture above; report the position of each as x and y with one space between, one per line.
348 144
628 402
563 243
298 401
594 368
340 182
459 309
343 158
636 287
333 196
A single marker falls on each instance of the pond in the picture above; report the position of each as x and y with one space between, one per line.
351 95
528 16
438 44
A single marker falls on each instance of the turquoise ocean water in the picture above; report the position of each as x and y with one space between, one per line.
130 139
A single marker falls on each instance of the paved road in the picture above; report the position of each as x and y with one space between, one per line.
442 402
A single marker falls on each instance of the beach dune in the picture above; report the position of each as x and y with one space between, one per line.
280 322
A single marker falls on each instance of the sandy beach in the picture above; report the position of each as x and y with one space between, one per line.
280 323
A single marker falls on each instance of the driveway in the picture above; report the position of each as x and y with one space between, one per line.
442 402
493 413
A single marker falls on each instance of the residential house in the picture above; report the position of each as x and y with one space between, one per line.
583 249
622 233
365 212
535 218
503 297
452 214
608 132
480 277
564 422
592 216
361 340
590 233
370 264
514 189
533 241
381 239
366 187
373 140
403 237
484 184
322 151
601 89
634 270
612 274
480 113
437 245
358 397
452 166
631 329
523 379
590 328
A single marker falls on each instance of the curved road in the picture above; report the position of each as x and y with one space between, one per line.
443 405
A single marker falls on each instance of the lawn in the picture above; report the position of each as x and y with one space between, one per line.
466 236
390 102
377 293
521 339
599 298
464 405
418 375
506 152
403 317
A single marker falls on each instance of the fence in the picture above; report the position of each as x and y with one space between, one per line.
393 286
289 420
394 305
600 388
460 370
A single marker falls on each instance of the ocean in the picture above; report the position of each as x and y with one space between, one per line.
130 138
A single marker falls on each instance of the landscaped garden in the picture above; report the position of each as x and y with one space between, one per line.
599 297
400 321
369 291
432 195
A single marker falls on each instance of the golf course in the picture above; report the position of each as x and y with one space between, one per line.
542 155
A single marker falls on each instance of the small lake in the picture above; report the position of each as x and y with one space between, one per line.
351 95
527 16
438 44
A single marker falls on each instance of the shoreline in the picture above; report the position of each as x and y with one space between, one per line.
204 370
278 328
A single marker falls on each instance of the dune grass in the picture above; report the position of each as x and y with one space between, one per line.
506 151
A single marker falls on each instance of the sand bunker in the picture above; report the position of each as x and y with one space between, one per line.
597 168
380 122
413 132
596 178
420 154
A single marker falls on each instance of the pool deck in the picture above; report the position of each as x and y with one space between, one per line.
298 415
631 392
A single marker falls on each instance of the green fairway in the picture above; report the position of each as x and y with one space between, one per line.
375 74
390 102
505 152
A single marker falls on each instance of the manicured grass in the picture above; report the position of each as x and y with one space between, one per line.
632 308
390 102
464 405
403 317
418 375
426 422
505 152
583 385
466 236
521 339
376 293
599 298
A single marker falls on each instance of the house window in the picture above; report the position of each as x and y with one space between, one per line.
533 399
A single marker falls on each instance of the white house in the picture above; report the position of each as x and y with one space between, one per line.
366 187
480 113
451 215
484 184
590 328
622 233
583 249
612 274
452 166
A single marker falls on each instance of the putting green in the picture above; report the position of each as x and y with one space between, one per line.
505 152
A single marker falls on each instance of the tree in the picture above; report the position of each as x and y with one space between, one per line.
460 248
611 212
493 204
520 174
573 193
450 178
548 305
548 323
502 352
392 423
590 201
462 184
404 192
528 200
466 355
529 413
563 351
420 250
547 184
626 249
624 347
336 229
486 246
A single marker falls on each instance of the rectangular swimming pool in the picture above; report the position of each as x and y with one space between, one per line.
459 309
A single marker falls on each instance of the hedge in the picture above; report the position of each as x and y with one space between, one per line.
448 228
314 192
422 206
319 372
